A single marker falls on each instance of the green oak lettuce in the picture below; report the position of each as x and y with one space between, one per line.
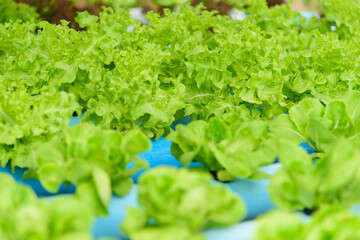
188 63
174 204
27 120
228 149
321 124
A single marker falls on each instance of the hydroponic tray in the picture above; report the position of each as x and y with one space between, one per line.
254 193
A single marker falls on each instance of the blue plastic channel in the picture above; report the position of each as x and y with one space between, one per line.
159 155
307 147
356 209
74 121
109 226
34 183
308 14
241 231
254 193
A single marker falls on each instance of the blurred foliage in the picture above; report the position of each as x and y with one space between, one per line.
222 6
54 11
10 10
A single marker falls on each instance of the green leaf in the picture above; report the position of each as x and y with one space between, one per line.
136 142
280 225
102 185
166 232
239 147
300 113
135 220
324 223
319 134
67 73
48 154
313 181
337 113
122 186
341 161
51 176
283 128
86 193
217 130
234 166
85 19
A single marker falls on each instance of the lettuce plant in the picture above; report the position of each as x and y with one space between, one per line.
28 120
97 161
174 204
311 181
320 124
231 150
24 216
333 223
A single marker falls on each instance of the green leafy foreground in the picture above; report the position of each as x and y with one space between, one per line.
175 204
24 216
331 223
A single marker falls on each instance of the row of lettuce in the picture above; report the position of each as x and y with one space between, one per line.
254 89
173 204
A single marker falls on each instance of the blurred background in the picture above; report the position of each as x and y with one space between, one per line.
56 10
